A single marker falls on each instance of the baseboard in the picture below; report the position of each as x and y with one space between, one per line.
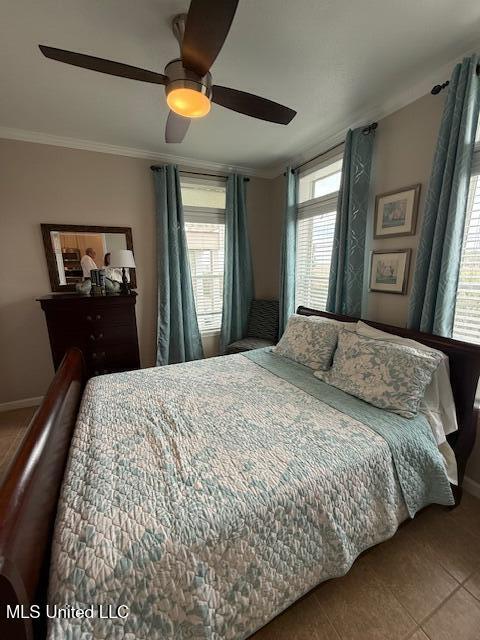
20 404
471 486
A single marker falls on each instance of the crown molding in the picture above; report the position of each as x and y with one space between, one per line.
365 116
38 137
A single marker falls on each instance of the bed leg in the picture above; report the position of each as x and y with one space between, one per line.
457 494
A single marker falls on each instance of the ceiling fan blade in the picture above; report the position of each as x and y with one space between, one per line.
103 66
176 127
252 105
207 26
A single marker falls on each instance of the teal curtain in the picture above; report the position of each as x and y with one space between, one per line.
178 336
238 271
289 239
345 288
432 301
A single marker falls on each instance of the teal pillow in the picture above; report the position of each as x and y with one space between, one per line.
389 376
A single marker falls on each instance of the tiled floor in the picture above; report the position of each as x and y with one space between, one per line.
422 584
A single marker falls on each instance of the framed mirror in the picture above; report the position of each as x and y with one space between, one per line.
72 250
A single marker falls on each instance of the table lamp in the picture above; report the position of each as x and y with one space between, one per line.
123 258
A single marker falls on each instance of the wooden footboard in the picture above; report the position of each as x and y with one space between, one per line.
28 503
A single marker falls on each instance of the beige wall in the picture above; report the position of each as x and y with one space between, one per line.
265 236
404 147
41 183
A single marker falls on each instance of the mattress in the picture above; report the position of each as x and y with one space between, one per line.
204 498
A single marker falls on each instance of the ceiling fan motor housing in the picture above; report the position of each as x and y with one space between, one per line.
181 78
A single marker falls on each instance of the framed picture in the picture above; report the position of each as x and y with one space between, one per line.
389 271
396 212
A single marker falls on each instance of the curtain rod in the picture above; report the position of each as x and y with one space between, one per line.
366 130
198 173
440 87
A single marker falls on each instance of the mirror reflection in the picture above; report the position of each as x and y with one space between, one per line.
76 254
72 252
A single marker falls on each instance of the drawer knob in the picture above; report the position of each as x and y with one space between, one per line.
98 317
100 336
92 337
89 318
94 355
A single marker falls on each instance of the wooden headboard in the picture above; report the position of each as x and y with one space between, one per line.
28 500
464 361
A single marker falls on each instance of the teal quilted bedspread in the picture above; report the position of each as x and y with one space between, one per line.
209 496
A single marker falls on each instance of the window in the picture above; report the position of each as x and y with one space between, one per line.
204 208
321 181
317 212
466 324
204 195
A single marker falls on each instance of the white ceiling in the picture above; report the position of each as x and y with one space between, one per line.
334 61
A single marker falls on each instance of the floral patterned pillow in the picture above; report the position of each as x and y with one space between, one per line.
390 376
309 340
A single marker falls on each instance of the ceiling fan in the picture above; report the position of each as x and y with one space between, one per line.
188 81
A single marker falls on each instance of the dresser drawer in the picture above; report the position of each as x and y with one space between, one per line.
111 360
105 316
105 329
111 349
93 338
89 319
103 335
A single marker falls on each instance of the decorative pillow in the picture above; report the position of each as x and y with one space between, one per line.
437 404
309 340
387 375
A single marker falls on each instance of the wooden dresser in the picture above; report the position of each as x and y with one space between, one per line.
104 328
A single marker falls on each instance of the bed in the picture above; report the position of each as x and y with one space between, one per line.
206 519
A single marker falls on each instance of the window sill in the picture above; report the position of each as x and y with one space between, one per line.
210 333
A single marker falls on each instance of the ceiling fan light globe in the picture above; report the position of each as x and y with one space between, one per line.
188 103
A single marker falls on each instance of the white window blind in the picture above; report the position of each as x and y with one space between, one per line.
466 324
206 253
315 232
205 231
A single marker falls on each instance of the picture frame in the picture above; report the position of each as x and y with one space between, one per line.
389 271
396 212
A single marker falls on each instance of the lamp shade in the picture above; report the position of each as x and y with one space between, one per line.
122 258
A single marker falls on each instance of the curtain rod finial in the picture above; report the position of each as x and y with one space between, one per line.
368 129
439 87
